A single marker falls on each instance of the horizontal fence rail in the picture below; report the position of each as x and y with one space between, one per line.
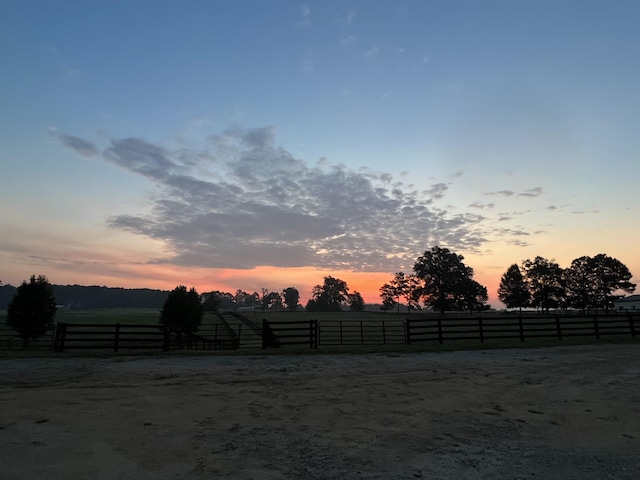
10 340
354 332
231 332
114 336
297 332
484 328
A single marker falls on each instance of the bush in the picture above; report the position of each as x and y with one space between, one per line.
32 308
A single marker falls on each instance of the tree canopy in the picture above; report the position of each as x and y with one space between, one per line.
447 283
183 308
291 297
400 286
32 309
591 282
513 291
329 296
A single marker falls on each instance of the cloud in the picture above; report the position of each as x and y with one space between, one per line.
246 202
304 16
481 205
78 145
348 40
372 52
532 192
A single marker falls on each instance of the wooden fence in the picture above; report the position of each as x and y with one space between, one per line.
11 341
116 337
484 328
297 332
354 332
328 332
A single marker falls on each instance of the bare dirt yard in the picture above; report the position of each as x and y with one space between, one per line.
549 413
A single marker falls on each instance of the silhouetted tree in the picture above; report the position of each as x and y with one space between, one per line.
545 281
183 308
513 291
272 301
401 286
389 295
592 281
472 296
329 296
31 311
356 302
247 300
291 298
445 279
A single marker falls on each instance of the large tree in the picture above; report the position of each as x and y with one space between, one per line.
330 296
513 291
31 311
591 282
183 309
545 281
445 280
472 296
291 298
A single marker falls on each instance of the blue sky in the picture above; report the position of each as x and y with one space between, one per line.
213 143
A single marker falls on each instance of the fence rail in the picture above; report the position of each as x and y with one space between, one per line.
297 332
521 327
358 332
328 332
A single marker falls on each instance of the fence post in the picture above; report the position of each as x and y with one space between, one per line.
340 332
117 337
384 334
361 334
166 340
407 331
521 328
595 326
481 329
265 332
440 330
632 328
558 327
313 333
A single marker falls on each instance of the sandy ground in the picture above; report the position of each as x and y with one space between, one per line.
554 413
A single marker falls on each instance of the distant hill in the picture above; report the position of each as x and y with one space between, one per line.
78 297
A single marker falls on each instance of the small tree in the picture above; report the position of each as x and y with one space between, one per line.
291 298
32 308
182 309
513 291
356 302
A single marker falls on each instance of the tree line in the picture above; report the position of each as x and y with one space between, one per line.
588 283
441 281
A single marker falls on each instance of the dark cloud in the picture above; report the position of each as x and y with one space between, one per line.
245 202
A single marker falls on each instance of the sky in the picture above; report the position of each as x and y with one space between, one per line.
266 144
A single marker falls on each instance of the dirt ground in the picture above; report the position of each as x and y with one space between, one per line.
551 413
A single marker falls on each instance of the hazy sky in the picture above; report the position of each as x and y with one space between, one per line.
248 144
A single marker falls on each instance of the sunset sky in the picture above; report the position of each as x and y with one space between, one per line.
249 144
